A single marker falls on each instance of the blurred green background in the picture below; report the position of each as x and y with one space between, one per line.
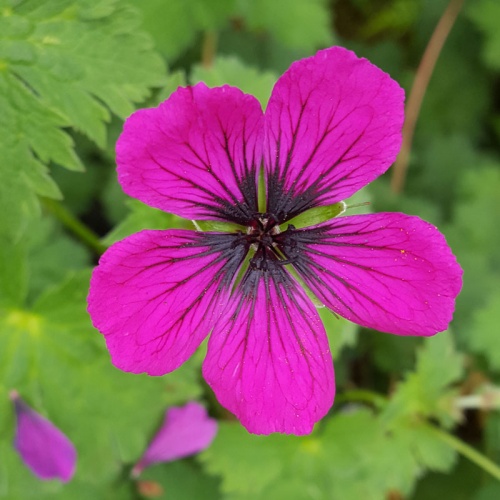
410 413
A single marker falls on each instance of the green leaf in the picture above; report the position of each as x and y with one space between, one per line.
341 332
385 200
141 217
449 106
62 64
51 255
175 24
398 16
246 463
391 353
350 457
175 79
440 162
181 480
485 14
232 71
13 273
426 392
482 336
475 239
460 484
490 491
428 450
302 24
19 483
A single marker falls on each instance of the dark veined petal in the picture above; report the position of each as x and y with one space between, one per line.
268 359
156 295
332 125
185 430
387 271
196 154
41 445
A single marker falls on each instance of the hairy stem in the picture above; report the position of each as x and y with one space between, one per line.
74 225
419 87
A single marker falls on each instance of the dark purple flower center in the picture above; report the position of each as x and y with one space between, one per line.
265 239
262 229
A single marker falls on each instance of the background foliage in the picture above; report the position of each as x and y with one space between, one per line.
408 410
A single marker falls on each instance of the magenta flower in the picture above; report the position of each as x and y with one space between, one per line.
332 125
41 445
186 430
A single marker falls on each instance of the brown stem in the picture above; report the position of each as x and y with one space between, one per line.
419 87
208 49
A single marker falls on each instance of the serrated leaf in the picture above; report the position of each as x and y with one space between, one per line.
429 451
62 64
426 391
350 458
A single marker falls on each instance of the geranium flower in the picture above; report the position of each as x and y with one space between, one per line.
332 125
186 430
47 452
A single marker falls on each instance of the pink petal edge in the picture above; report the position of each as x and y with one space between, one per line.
388 271
193 153
155 296
269 362
333 124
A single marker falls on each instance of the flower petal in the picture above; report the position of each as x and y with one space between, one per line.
332 125
155 295
196 154
42 446
387 271
186 430
268 359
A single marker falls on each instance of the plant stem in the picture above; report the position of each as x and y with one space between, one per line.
74 225
378 401
417 93
208 49
468 452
